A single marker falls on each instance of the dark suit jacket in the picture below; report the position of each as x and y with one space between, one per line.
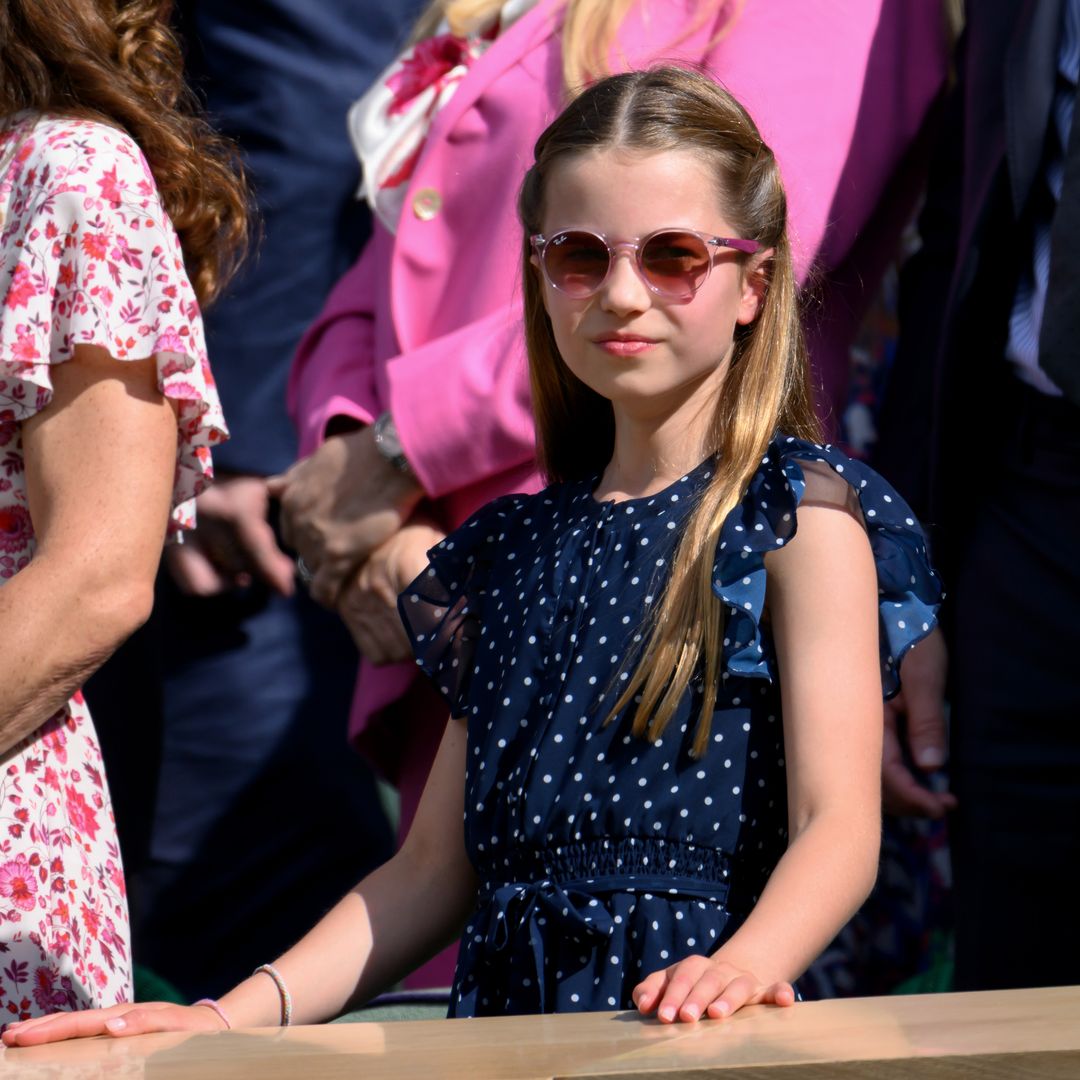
278 76
957 291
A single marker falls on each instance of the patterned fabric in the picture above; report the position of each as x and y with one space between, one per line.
602 857
87 256
390 123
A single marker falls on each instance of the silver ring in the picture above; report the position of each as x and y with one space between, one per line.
303 571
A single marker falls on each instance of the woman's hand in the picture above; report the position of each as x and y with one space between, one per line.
233 543
705 986
368 603
118 1020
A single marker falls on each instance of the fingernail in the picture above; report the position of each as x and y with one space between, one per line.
667 1013
722 1008
690 1012
117 1023
930 757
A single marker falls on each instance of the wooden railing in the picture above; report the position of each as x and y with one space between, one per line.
1008 1034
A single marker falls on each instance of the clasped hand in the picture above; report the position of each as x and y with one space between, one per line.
233 544
339 505
368 603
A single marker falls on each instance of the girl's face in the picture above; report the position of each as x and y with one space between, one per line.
651 356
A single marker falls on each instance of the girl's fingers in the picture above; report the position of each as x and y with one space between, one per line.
781 993
681 980
52 1018
706 990
699 987
742 990
649 991
60 1026
118 1020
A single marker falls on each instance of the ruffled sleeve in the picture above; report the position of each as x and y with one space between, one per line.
443 608
89 257
766 519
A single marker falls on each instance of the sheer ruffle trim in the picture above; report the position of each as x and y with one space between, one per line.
442 609
26 388
766 519
87 273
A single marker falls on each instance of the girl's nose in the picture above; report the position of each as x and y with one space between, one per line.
624 292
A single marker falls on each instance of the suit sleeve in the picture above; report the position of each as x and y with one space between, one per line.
333 370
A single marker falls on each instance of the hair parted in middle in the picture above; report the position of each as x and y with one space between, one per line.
766 389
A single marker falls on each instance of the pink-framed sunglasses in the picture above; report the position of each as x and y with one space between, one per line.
674 263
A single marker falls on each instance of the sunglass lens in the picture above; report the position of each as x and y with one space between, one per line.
576 262
675 263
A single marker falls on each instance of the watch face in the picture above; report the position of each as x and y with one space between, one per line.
388 444
391 444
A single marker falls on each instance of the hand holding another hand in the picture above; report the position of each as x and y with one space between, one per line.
705 987
368 603
339 505
232 544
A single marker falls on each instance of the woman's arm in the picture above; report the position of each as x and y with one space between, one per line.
823 604
100 462
397 917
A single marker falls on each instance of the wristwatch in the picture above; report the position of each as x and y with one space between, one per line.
389 445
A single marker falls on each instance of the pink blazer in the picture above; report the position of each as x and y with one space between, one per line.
427 324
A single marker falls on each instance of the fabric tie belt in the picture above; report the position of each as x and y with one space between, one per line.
572 909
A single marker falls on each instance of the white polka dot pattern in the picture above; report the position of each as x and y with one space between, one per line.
602 856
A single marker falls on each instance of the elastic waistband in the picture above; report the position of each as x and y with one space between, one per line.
617 861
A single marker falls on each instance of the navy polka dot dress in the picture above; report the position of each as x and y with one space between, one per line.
601 856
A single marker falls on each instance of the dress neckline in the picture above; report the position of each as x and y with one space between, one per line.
692 481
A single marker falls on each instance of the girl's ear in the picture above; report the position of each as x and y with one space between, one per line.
754 283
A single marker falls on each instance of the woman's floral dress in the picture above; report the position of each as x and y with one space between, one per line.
87 256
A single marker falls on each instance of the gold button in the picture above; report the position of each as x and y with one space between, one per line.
426 203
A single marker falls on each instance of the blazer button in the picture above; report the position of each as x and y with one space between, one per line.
426 203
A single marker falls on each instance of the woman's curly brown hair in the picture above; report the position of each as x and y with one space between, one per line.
116 61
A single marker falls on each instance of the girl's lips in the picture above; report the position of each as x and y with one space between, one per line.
629 345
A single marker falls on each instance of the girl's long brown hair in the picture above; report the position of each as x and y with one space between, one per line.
767 388
115 61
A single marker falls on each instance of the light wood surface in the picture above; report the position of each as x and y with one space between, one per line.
1008 1034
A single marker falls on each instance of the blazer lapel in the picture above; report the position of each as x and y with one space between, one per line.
1030 76
506 50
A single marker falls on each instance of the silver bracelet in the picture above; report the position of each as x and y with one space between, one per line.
283 990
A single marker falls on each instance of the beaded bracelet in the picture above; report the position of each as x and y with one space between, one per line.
210 1003
283 990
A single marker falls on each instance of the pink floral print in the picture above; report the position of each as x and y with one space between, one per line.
87 256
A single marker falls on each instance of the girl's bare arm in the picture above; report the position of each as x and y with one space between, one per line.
397 917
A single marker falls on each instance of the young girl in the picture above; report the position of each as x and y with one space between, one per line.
667 701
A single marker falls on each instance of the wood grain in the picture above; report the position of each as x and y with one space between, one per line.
1001 1034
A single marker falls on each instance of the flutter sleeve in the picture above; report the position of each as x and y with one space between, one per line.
443 609
793 472
88 256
